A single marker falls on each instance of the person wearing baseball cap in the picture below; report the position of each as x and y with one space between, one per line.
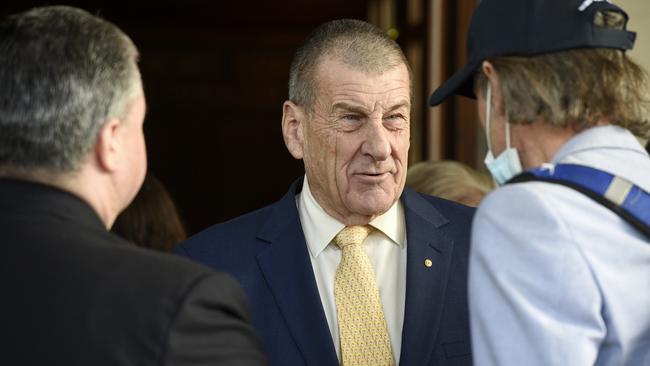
560 252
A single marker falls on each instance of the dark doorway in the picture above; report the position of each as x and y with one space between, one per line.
215 75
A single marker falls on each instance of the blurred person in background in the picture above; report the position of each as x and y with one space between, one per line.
151 220
450 180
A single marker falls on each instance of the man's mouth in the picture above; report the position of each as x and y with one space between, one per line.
372 176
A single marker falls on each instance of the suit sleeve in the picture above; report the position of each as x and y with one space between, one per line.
533 299
212 327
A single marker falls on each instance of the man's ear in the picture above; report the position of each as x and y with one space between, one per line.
293 120
108 146
495 81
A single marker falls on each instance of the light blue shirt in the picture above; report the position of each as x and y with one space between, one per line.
556 278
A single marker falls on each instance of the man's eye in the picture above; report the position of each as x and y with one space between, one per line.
394 116
395 121
351 117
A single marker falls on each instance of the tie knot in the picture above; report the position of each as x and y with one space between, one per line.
352 235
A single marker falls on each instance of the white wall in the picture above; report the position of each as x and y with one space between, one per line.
639 13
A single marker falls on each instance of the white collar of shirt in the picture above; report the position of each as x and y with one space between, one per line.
609 136
320 228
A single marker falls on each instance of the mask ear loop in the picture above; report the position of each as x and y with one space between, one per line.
507 130
488 114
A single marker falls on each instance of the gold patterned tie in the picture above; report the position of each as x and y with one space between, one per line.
362 327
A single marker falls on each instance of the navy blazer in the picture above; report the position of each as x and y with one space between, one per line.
266 250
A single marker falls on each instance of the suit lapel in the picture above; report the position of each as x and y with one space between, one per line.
287 269
425 282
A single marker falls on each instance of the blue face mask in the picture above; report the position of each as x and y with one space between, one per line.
507 164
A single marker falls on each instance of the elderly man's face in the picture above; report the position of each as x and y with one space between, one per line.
355 147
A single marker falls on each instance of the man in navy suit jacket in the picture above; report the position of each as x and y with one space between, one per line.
347 118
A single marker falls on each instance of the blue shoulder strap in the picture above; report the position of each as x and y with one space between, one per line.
618 194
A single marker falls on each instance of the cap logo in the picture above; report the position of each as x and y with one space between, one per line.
587 3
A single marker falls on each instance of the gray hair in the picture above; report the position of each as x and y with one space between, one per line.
63 74
356 43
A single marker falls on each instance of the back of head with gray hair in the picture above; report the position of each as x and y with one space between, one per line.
356 43
63 74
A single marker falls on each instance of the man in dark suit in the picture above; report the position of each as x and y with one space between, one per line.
348 267
72 156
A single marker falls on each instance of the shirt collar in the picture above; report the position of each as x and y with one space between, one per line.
320 228
609 136
392 223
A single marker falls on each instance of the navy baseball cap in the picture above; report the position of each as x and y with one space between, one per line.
531 27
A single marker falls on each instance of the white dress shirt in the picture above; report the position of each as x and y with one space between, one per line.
386 248
556 278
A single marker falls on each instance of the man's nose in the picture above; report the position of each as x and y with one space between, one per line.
377 142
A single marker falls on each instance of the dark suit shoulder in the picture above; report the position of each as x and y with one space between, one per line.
241 234
246 223
440 212
115 301
213 324
233 237
204 316
173 266
447 206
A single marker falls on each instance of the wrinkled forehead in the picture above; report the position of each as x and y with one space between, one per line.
332 75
